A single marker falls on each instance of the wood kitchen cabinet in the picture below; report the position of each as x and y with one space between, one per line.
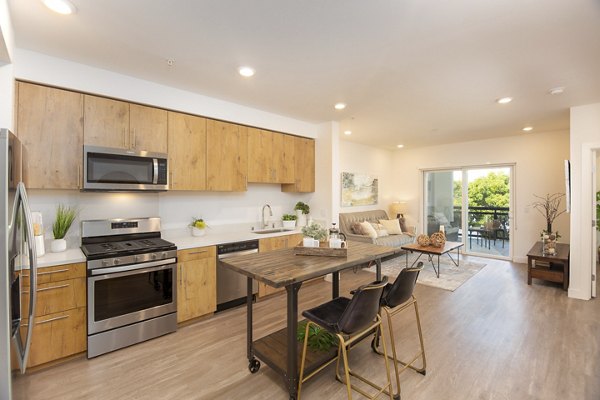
50 126
119 124
227 156
304 166
267 158
196 282
60 322
187 151
271 244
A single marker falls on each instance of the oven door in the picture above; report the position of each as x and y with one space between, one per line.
125 295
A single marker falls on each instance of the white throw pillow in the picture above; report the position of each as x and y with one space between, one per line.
368 229
392 226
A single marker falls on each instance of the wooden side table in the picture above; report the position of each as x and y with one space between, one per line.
555 267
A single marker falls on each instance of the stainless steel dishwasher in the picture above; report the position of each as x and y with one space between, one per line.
231 285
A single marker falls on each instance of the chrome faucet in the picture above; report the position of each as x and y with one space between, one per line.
265 225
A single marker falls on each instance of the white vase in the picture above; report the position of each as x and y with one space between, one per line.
289 224
197 231
301 218
58 245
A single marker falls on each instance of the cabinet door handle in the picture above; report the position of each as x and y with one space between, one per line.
198 252
134 141
79 177
53 272
48 320
49 288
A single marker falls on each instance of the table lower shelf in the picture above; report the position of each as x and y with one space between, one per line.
552 273
272 350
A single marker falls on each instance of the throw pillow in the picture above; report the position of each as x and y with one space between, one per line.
403 227
379 229
357 228
391 225
368 229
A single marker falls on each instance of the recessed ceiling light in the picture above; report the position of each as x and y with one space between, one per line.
400 146
246 71
64 7
528 128
557 90
347 133
504 100
340 106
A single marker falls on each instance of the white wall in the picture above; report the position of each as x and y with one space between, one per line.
585 136
359 158
538 160
7 91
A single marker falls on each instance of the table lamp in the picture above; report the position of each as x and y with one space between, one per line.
398 208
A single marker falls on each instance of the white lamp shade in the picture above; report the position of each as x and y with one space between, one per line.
397 207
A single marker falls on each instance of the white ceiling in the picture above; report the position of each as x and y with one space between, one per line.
416 72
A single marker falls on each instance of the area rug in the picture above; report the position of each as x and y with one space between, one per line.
451 276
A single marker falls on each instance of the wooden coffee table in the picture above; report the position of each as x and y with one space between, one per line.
434 251
554 268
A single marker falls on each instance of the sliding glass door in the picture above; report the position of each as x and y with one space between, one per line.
472 206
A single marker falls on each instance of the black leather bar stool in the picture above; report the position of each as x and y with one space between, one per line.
350 320
396 298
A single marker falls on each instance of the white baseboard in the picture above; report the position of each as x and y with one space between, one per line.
520 260
578 294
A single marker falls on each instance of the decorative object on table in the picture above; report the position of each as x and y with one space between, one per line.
38 233
359 189
289 221
423 240
437 239
198 227
398 209
302 210
65 215
549 207
318 338
315 231
335 237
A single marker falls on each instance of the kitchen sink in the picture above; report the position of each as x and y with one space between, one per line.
270 230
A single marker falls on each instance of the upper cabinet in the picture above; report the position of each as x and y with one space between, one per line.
304 166
50 126
226 156
267 158
114 123
187 152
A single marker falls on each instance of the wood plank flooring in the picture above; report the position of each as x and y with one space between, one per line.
493 338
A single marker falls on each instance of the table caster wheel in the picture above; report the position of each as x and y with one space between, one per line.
254 366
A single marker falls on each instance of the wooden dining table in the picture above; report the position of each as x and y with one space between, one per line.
282 268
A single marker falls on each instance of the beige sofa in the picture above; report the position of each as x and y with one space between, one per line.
347 219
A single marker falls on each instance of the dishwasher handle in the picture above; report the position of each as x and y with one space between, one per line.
237 253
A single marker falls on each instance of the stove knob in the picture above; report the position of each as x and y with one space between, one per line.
135 258
105 263
116 261
153 256
164 254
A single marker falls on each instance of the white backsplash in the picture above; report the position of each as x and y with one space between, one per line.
176 209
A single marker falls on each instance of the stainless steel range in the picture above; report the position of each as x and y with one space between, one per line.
131 283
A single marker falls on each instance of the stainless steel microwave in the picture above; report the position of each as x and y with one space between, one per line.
109 169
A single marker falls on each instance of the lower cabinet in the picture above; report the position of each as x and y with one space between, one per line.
196 282
60 323
271 244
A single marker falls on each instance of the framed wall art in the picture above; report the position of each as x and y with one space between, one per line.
359 189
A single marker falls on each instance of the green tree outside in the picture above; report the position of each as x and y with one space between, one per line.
491 190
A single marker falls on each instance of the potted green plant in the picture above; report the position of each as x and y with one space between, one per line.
314 232
289 221
65 215
198 226
302 209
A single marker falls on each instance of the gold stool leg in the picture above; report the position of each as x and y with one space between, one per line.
301 378
422 370
346 367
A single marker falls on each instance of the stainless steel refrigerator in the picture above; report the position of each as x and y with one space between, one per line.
18 264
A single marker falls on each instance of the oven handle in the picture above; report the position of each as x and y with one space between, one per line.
134 269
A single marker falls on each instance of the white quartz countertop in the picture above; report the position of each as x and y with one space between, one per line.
182 238
70 256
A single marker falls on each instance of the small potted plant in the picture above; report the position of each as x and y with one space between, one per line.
316 232
289 221
65 215
198 226
302 209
